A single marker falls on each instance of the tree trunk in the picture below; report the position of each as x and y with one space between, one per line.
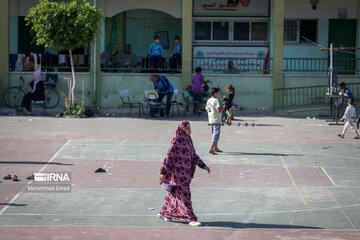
73 79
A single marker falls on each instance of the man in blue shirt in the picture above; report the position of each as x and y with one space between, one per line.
175 57
156 52
347 93
164 88
346 90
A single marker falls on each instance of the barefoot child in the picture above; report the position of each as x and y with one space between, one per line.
349 116
228 103
214 113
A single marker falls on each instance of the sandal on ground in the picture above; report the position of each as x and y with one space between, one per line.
195 224
340 135
19 110
357 137
212 152
218 150
28 113
164 218
7 177
15 178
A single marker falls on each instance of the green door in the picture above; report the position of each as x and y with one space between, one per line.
342 33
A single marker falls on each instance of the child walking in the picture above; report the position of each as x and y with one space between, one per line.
349 116
228 103
214 114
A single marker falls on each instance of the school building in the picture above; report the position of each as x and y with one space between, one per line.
255 45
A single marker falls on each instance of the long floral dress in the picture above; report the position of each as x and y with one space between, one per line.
179 167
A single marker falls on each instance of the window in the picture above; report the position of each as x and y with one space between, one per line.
220 31
290 30
249 31
308 30
242 31
202 30
259 31
300 31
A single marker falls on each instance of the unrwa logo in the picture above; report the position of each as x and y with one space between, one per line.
199 53
260 54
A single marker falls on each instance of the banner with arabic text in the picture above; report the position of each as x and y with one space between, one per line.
253 8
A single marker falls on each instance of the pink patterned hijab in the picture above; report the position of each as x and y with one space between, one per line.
181 139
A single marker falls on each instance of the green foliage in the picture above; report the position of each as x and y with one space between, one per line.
66 25
76 110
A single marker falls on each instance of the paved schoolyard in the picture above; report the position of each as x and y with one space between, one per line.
285 178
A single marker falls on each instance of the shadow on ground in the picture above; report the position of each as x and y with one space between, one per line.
42 163
260 154
255 225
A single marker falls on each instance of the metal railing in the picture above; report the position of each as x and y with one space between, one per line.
349 66
311 96
141 64
210 65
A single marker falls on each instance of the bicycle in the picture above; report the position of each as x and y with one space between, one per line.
13 95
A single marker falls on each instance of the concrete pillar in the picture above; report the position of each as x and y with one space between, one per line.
278 48
4 46
95 65
186 78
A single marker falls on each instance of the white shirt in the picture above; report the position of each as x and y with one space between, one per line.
211 105
350 113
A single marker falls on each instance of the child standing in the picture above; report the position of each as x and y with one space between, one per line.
197 87
214 113
156 52
349 116
228 103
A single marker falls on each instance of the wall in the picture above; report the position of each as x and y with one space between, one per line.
14 28
111 83
252 91
325 9
61 86
147 22
113 7
303 81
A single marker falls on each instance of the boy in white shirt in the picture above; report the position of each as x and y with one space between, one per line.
214 114
349 116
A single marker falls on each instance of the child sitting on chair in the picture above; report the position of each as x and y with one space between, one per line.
349 116
187 94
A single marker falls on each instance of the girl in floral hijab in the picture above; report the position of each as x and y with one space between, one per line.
177 170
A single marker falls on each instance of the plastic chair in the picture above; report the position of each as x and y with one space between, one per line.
126 103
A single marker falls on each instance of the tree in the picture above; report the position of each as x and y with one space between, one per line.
67 25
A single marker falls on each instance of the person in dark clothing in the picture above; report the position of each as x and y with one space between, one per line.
175 57
37 94
228 102
164 88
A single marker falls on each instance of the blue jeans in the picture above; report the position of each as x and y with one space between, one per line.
157 59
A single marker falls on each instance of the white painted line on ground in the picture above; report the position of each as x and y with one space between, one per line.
42 169
204 214
55 155
326 173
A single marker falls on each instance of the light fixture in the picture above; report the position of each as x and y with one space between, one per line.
314 3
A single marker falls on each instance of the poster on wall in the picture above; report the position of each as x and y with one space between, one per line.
255 8
164 38
231 59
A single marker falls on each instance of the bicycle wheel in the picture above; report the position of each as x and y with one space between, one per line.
13 96
52 97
